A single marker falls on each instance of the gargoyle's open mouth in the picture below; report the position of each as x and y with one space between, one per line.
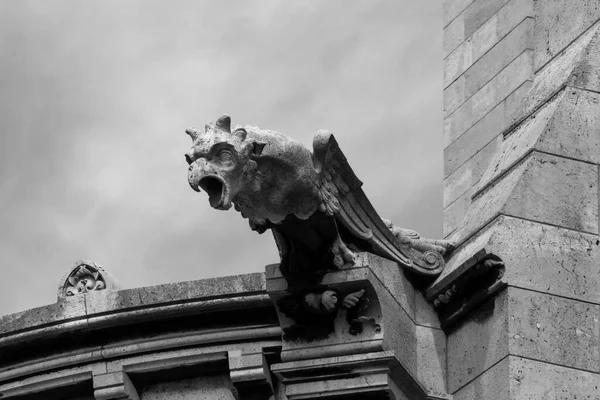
217 192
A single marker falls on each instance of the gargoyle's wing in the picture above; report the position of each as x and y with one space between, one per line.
341 195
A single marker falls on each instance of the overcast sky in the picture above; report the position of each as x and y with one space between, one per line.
95 97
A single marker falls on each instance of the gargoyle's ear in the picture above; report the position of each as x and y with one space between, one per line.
240 133
193 133
257 148
224 123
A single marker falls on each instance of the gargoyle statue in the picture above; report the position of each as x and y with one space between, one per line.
313 202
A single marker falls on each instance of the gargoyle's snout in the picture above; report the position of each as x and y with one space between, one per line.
215 186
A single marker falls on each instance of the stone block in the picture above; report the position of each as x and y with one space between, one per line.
102 301
555 74
68 308
559 22
484 132
492 385
452 8
455 213
479 12
454 35
488 66
537 188
468 174
495 91
485 38
539 257
554 329
567 125
431 359
478 343
518 378
537 380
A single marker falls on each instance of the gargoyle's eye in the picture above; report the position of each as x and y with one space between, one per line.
225 156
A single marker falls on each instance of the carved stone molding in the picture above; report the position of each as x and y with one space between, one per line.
114 385
83 277
377 375
250 376
481 279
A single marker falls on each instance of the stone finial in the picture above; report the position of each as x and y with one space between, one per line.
83 277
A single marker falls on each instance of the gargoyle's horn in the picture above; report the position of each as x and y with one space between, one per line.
192 132
224 123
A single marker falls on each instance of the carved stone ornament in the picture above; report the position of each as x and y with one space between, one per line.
319 216
312 202
85 276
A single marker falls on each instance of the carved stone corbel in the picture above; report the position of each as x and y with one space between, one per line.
482 278
114 385
250 376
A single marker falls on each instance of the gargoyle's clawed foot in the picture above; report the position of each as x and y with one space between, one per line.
343 257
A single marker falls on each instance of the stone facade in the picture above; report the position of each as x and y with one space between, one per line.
514 314
522 139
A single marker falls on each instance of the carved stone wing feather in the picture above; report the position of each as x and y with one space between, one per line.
341 196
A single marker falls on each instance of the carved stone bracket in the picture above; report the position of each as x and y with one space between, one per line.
83 277
114 385
337 316
250 376
377 375
481 279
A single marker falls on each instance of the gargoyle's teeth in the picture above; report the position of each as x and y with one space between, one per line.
215 189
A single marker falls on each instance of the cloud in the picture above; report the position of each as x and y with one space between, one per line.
96 97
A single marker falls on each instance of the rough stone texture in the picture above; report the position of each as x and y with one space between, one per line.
452 9
485 38
431 359
484 131
568 67
553 329
537 188
455 213
567 126
539 257
479 343
496 90
479 12
199 388
559 23
528 324
536 380
493 384
465 177
488 66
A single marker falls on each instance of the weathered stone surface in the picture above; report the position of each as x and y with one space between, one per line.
561 70
431 359
568 126
489 65
478 343
554 329
72 308
479 12
455 213
467 176
197 388
492 385
452 8
537 380
484 131
496 90
559 22
485 38
538 188
175 292
518 378
538 257
454 34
